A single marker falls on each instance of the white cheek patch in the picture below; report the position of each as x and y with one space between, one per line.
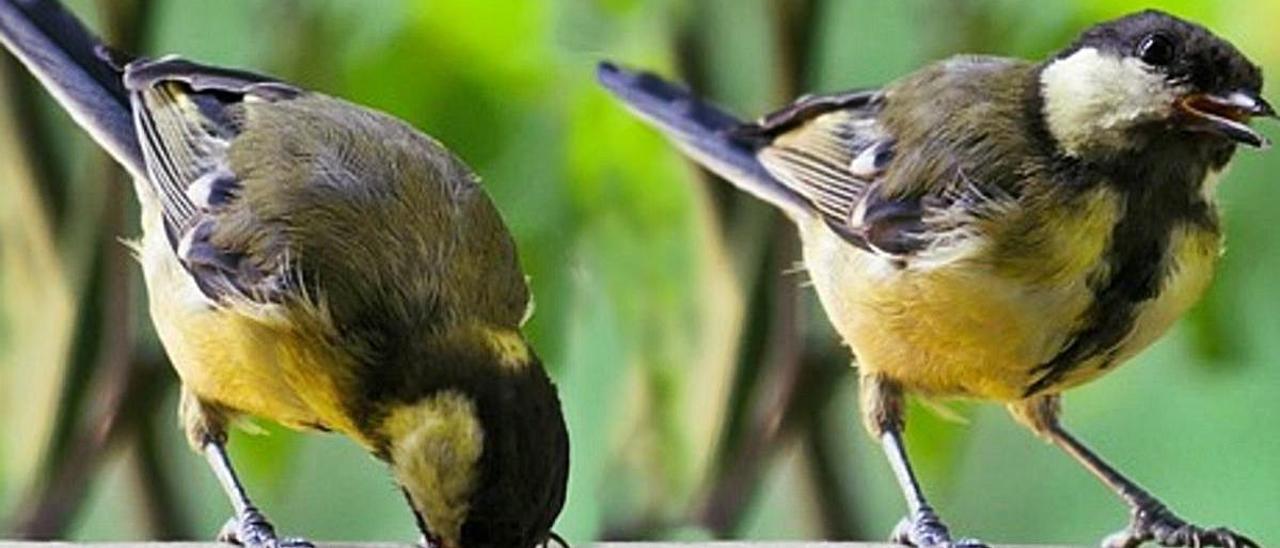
1091 98
436 445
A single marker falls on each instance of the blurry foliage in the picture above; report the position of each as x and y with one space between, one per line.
644 282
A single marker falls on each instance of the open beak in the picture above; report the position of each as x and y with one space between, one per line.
1227 115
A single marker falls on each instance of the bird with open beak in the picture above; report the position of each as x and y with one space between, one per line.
1000 229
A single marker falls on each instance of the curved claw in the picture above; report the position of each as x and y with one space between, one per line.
252 530
1159 525
925 529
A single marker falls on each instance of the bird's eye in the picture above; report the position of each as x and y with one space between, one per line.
1156 50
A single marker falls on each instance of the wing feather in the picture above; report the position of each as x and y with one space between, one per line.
185 115
833 151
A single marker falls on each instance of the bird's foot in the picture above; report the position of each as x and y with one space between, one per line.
252 530
1154 523
923 529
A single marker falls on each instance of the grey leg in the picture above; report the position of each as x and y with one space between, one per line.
1150 519
922 527
249 527
883 416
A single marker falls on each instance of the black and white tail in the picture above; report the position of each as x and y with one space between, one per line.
706 133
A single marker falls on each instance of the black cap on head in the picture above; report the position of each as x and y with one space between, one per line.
1184 51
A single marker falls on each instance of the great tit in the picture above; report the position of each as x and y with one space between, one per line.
328 267
1000 229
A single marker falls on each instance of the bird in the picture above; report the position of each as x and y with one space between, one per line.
328 267
999 229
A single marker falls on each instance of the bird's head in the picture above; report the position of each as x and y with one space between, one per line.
483 457
1148 76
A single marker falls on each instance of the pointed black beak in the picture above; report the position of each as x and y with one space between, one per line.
1228 115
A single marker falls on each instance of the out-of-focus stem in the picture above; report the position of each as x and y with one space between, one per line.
769 388
102 377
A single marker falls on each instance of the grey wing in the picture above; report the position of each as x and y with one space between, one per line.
833 151
186 117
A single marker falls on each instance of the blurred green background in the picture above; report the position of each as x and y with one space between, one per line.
705 393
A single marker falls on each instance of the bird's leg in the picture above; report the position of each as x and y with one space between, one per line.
1150 520
921 527
249 527
883 415
206 430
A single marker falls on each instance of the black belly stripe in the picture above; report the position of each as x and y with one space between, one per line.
1137 272
1138 264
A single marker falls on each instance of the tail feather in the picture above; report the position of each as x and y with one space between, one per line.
71 63
709 135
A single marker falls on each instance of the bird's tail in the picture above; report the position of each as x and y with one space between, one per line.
706 133
71 63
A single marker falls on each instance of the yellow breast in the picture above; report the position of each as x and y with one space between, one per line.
978 321
945 332
249 358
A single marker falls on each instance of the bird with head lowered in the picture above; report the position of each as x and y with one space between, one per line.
1000 229
328 267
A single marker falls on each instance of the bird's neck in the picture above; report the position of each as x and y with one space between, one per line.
437 424
499 347
402 370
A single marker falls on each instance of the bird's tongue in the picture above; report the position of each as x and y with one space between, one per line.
1227 116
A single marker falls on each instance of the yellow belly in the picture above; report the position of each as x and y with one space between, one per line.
252 359
967 328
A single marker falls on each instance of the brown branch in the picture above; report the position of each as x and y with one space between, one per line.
48 511
795 32
103 352
101 366
768 394
691 62
826 369
801 403
731 493
162 514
